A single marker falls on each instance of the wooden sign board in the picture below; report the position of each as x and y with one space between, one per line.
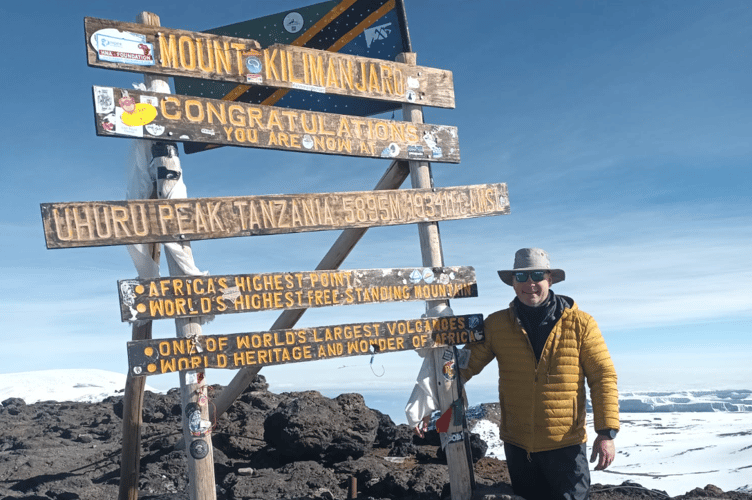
235 351
136 114
99 223
186 296
171 52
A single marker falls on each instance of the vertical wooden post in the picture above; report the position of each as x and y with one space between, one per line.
194 401
430 244
133 397
133 402
199 451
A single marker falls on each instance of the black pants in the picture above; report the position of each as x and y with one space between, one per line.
549 475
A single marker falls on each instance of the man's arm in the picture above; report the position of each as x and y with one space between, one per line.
601 378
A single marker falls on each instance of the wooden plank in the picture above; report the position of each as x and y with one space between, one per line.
275 347
173 52
187 296
98 223
171 117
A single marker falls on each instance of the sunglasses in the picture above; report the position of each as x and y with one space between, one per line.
521 276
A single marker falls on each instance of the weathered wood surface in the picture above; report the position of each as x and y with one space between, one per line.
235 351
173 52
171 117
133 394
99 223
186 296
446 387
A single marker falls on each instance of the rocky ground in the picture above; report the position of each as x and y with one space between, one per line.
297 445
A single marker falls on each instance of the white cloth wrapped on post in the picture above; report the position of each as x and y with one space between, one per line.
147 171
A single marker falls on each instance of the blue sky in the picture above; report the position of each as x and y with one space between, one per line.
622 130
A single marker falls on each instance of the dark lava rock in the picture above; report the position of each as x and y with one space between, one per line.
297 445
311 427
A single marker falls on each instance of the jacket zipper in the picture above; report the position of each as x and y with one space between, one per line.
554 344
535 383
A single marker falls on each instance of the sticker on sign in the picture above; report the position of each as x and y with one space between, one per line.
117 46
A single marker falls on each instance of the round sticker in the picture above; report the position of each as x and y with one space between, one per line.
253 64
293 22
199 449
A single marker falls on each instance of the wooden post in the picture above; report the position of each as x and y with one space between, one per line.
133 397
430 243
393 178
133 402
199 451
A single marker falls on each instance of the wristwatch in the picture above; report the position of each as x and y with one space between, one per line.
609 433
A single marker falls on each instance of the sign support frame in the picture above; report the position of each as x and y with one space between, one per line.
458 460
197 425
201 484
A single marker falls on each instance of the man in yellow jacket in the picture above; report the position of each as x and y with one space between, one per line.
546 349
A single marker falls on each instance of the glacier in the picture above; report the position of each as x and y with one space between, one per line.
685 401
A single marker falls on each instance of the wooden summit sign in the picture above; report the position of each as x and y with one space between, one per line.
172 52
170 117
185 296
99 223
234 351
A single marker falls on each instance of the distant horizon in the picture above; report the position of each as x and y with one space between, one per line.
115 379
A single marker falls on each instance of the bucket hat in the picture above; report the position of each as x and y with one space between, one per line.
531 259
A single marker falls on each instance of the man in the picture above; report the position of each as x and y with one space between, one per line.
546 348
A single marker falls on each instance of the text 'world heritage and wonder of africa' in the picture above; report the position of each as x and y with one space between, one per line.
152 357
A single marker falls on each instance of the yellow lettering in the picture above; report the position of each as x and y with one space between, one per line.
168 51
222 57
208 67
187 49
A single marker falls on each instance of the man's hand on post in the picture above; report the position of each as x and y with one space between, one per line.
604 450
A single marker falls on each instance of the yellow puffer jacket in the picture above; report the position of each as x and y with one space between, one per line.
543 406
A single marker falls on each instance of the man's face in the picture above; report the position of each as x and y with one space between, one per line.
532 293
